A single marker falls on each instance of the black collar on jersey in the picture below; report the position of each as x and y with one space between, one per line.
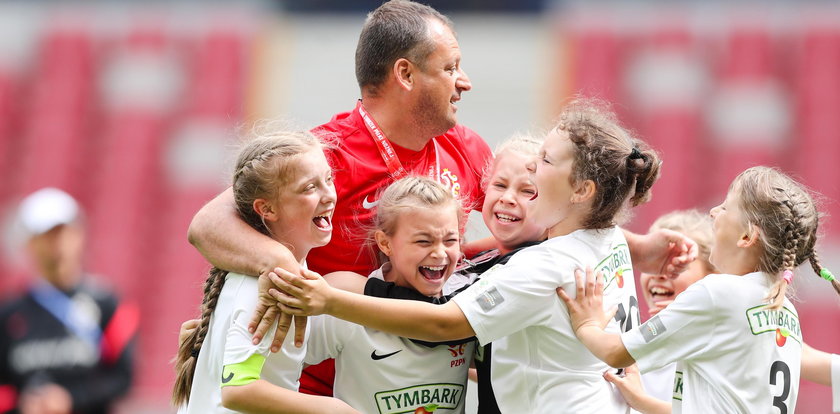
382 289
491 260
480 266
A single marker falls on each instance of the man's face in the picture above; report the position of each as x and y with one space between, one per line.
440 81
58 254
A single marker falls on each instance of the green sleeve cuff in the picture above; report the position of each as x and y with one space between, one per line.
243 373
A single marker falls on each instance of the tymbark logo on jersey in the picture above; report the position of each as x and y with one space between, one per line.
614 266
783 322
412 399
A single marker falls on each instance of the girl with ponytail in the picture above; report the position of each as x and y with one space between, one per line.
283 187
735 336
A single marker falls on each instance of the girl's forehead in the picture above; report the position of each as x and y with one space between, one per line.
512 159
423 217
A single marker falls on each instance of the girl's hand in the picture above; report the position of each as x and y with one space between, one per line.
630 387
267 313
662 252
187 328
308 294
587 308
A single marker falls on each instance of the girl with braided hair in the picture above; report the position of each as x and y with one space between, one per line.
735 336
283 187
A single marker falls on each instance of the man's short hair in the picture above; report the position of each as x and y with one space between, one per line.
397 29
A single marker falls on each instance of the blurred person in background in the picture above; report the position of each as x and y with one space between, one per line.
66 344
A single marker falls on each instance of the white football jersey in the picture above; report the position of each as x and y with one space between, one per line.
835 382
229 342
733 355
376 372
538 364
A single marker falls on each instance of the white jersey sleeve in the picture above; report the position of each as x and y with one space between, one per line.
680 331
238 345
326 340
835 381
516 295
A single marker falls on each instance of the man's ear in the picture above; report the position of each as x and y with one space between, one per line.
750 237
583 191
265 210
404 73
383 242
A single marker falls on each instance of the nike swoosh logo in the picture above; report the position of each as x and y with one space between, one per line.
226 380
367 205
376 357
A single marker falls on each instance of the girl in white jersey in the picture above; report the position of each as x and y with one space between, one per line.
660 290
590 169
417 231
735 337
508 189
283 187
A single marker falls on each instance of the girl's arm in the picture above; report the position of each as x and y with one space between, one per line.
349 281
406 318
262 396
816 365
588 320
630 386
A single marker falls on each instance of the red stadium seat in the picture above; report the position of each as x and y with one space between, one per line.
817 93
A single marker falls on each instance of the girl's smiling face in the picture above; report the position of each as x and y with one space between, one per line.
507 205
662 288
552 174
304 205
424 248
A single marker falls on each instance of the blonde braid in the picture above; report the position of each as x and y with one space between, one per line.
188 350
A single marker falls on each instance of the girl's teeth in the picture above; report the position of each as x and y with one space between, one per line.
504 217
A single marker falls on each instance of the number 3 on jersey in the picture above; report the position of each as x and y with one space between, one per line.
777 368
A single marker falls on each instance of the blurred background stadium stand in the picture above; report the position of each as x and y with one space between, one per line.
135 110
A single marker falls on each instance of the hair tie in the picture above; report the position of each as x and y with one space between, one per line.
194 353
635 154
787 276
826 274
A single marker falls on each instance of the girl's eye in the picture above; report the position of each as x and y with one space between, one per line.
422 242
330 179
499 185
545 160
529 191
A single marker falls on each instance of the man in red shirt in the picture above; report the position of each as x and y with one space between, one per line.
409 73
408 69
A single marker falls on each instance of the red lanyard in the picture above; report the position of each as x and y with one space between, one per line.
386 149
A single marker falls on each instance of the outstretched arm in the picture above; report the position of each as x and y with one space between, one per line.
263 397
816 365
311 295
588 320
661 252
229 243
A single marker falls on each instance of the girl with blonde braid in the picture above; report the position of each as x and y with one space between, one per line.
283 187
735 337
